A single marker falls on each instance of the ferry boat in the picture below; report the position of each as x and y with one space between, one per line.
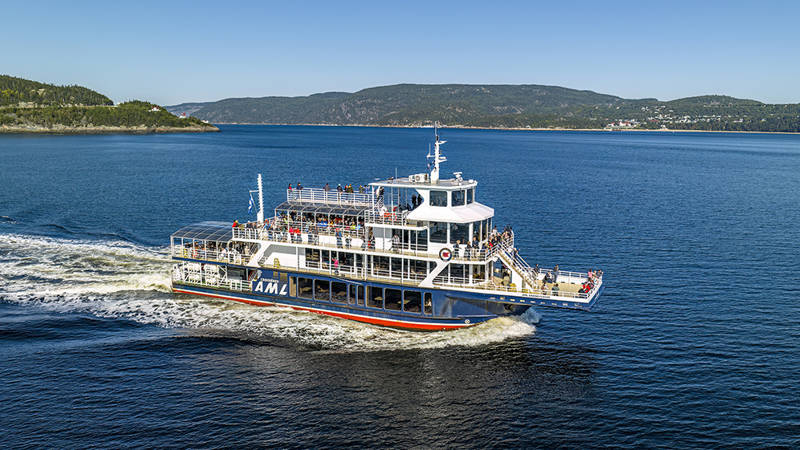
417 253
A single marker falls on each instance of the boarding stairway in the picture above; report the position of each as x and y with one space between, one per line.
512 259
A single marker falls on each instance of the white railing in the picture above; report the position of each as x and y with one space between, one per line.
229 256
377 217
317 195
201 279
395 275
246 233
463 282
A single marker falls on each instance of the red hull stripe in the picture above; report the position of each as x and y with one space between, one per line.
357 317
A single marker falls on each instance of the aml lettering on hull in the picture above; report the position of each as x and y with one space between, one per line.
273 287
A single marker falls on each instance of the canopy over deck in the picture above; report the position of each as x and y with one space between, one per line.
321 208
206 231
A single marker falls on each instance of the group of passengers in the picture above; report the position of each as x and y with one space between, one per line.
592 276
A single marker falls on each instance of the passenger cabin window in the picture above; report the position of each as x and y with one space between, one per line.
339 292
458 198
374 297
470 195
428 303
304 287
412 301
356 293
438 198
439 232
459 233
393 300
322 290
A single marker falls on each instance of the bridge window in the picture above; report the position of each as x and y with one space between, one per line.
458 198
459 232
428 303
470 195
374 297
304 287
393 299
339 292
438 198
412 301
439 232
322 290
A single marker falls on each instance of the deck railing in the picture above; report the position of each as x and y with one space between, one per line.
201 279
229 256
317 195
463 282
377 217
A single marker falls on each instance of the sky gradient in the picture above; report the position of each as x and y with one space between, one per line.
173 52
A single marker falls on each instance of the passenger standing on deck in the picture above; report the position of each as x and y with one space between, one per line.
555 273
327 187
396 243
299 186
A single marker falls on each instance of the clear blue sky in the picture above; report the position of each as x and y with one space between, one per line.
174 51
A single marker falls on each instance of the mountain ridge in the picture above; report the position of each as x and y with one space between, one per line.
499 106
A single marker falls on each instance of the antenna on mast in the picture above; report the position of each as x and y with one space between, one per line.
437 155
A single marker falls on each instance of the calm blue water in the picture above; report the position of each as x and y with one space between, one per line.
695 343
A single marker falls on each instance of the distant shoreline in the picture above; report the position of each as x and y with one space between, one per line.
513 128
5 129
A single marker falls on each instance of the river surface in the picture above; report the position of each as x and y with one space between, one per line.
695 343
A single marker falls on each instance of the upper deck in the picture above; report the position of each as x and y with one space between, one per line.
331 197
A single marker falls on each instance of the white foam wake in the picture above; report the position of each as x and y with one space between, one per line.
123 280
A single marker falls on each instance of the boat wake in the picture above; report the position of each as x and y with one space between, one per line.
123 280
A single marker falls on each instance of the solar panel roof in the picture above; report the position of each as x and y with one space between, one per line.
206 231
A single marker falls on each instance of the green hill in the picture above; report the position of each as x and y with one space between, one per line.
500 106
30 106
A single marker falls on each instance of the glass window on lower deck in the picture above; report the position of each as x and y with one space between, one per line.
312 258
293 286
417 269
304 287
339 292
478 273
412 301
356 295
397 267
374 297
457 274
428 303
322 290
380 265
392 299
459 233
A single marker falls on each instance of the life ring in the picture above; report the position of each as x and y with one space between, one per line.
445 254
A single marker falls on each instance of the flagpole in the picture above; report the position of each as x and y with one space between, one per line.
260 200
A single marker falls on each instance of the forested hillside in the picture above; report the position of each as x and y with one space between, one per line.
503 106
18 92
30 106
